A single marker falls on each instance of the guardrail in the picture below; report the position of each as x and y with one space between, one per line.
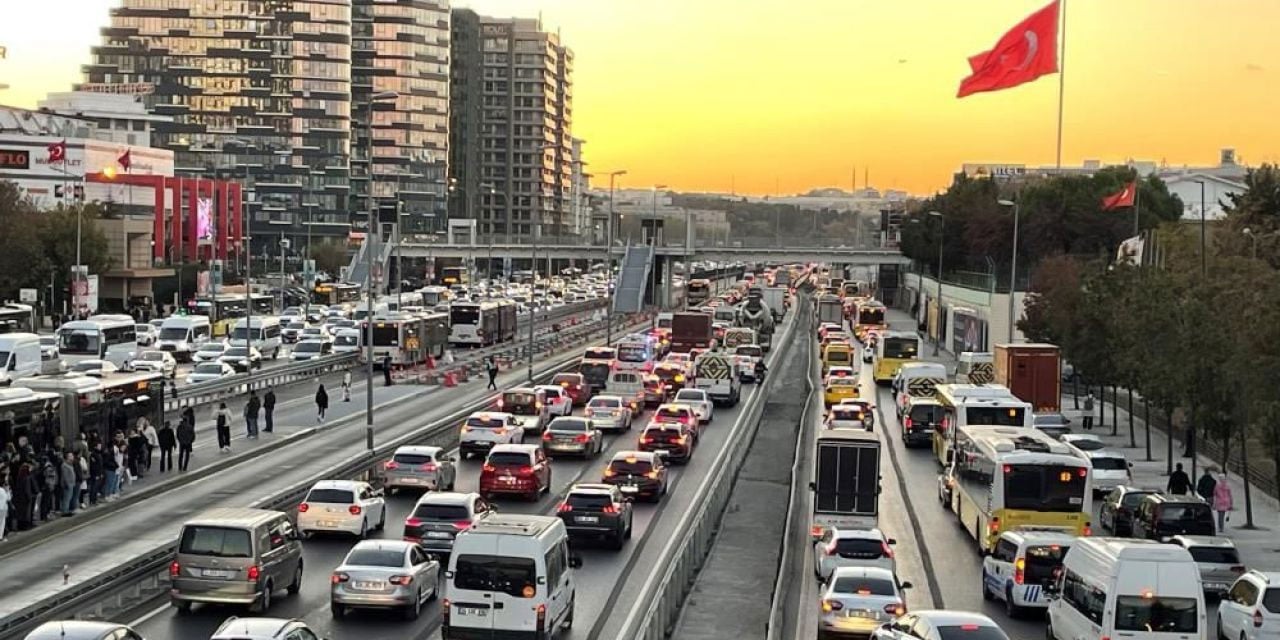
147 576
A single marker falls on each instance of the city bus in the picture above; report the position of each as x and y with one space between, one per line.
698 292
482 323
1003 478
17 318
975 405
407 337
102 337
869 316
105 404
225 308
336 294
893 349
30 414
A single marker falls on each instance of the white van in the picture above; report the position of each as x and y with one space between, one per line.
1130 589
19 356
264 334
510 576
346 341
916 380
184 335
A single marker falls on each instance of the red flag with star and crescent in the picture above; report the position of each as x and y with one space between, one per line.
1025 52
57 152
126 160
1121 198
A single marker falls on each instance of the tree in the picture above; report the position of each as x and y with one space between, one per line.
57 230
330 257
1256 209
22 262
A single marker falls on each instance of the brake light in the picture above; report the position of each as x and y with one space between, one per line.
564 507
831 605
564 384
1082 472
302 508
652 474
1088 529
1019 570
609 472
253 573
546 435
994 526
487 468
610 509
354 509
339 577
430 466
974 627
524 471
412 522
582 437
906 423
646 440
444 612
542 616
175 569
895 609
462 525
402 581
391 464
1257 618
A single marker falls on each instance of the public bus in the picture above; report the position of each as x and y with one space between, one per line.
30 414
1003 478
112 402
450 276
637 353
334 294
102 337
482 323
434 295
893 349
17 318
975 405
407 337
869 316
851 289
698 292
225 308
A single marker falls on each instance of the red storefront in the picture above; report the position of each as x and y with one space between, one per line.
200 219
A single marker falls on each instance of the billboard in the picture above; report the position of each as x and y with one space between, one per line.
204 220
968 331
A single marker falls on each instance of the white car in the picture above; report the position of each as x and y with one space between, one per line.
698 400
310 350
209 352
342 506
146 334
852 548
848 416
558 402
940 625
241 359
161 362
484 430
207 371
1021 565
96 368
1110 467
315 333
857 600
609 412
1251 608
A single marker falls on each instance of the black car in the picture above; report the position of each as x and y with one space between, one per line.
675 439
672 377
597 511
1115 516
638 474
919 421
1162 516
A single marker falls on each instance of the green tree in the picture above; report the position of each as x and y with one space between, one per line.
22 262
1256 209
57 230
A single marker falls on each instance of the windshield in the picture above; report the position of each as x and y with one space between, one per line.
633 353
997 416
447 512
222 542
1156 614
634 466
78 342
307 347
464 315
87 365
901 348
1215 555
173 333
509 459
236 352
595 371
375 558
208 367
689 395
1048 487
296 326
604 403
1132 498
1085 444
567 378
347 340
213 347
485 423
846 413
752 351
153 355
930 413
331 496
871 316
504 574
864 586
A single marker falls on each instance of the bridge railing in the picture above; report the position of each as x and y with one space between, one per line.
485 243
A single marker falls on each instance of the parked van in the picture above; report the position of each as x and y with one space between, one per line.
510 576
264 334
235 555
184 335
1131 589
19 357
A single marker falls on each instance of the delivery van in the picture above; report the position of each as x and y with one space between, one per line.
19 357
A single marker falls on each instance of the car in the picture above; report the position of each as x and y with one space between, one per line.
920 419
558 401
629 386
1055 425
419 467
438 518
1110 467
572 435
520 469
95 368
852 548
848 416
242 359
1218 561
1159 516
673 377
237 556
682 360
209 371
638 474
1251 608
655 390
857 600
609 412
681 413
49 347
675 440
868 353
940 625
826 327
596 511
697 400
291 332
838 389
161 362
576 385
310 350
82 630
234 628
146 334
320 332
1115 515
209 352
384 574
342 506
1022 566
483 430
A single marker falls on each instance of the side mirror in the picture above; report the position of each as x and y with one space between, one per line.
905 585
893 541
575 561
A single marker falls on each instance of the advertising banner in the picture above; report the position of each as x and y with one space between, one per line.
968 331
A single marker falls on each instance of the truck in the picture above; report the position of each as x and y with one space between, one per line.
1033 372
756 315
716 374
846 481
690 331
776 299
831 309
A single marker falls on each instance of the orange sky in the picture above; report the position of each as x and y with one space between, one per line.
705 94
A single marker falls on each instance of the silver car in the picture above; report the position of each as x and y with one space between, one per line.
1217 559
572 436
83 630
419 467
384 574
440 516
609 412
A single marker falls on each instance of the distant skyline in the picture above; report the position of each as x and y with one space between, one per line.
721 95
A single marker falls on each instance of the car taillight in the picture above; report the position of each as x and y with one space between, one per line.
652 474
253 573
1019 570
302 508
402 581
430 466
994 526
1088 529
1257 618
831 605
906 423
391 464
609 472
542 618
582 437
610 509
646 440
487 468
412 522
354 509
462 525
525 471
546 435
895 609
564 507
338 577
175 569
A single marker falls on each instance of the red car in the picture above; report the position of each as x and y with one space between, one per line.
576 386
515 469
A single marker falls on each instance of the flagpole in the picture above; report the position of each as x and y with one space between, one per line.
1137 196
1062 71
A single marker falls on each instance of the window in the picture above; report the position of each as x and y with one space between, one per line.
495 573
1083 597
1005 551
330 496
1215 555
865 586
301 633
221 542
371 557
1245 593
1048 488
1158 614
279 533
1271 600
971 632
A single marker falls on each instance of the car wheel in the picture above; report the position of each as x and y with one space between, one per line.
618 541
1011 609
264 601
414 609
568 619
986 591
1220 634
337 610
296 585
364 530
181 605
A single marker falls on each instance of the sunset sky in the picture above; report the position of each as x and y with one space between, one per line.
714 94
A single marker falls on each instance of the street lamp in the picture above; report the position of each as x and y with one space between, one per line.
1013 264
381 96
608 259
942 225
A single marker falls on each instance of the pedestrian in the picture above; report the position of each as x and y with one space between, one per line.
1204 488
322 403
167 441
120 454
1179 482
96 473
67 480
82 481
4 505
492 365
189 415
251 409
148 432
1088 412
1222 501
111 469
137 453
346 386
222 423
50 490
22 492
186 439
386 370
269 409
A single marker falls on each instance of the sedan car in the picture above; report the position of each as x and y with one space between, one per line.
698 400
146 334
558 401
1118 508
96 368
209 352
384 574
346 506
574 436
438 518
242 359
597 511
1216 557
852 548
310 350
419 467
638 474
940 625
207 371
161 362
857 600
609 412
1055 425
252 628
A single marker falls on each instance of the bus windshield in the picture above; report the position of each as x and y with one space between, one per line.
386 335
1044 487
464 315
871 316
901 348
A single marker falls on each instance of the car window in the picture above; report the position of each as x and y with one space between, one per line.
1042 562
504 574
635 466
589 501
926 413
863 585
486 423
1271 600
331 496
863 548
1215 555
301 633
370 557
412 459
279 533
509 459
569 424
605 403
689 395
222 542
1159 614
1006 550
1109 464
442 512
971 632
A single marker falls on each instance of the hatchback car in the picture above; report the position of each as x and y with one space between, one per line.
920 418
344 506
515 469
1115 515
234 628
699 401
573 436
83 630
1217 558
638 474
438 518
307 349
484 430
575 385
1251 608
609 412
597 511
674 440
384 574
207 371
941 625
847 416
161 362
868 409
857 600
1161 516
852 548
419 467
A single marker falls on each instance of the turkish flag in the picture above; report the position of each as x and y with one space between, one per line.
125 159
1026 52
57 152
1121 198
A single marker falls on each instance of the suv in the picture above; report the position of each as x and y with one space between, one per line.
438 518
575 384
484 430
1217 559
1251 608
1021 566
235 555
597 510
638 474
1118 507
681 413
1161 516
675 440
521 469
919 420
419 467
851 548
234 628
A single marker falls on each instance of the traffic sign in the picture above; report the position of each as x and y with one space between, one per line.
27 295
411 343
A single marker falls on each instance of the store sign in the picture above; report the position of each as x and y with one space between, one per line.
15 159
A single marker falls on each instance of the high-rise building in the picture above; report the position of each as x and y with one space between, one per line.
259 91
402 47
512 88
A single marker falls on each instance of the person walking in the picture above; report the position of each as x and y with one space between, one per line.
269 409
167 441
148 431
251 409
322 401
346 386
5 497
1205 486
1088 412
1179 481
1223 501
491 365
222 423
186 439
386 370
67 480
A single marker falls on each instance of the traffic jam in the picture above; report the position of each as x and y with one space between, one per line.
1064 533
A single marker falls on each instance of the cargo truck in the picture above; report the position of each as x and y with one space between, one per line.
1033 372
776 299
846 481
690 331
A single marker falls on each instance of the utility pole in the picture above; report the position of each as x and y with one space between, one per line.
371 234
608 260
942 225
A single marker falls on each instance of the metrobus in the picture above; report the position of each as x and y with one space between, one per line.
975 405
407 337
17 318
29 414
112 402
698 292
482 323
225 308
869 316
893 349
1003 478
102 337
335 294
454 275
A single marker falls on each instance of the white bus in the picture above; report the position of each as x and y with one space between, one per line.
102 337
264 334
481 323
17 318
965 405
636 353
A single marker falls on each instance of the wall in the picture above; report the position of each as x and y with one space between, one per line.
1214 194
988 307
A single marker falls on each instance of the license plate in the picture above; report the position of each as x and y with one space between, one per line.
438 535
1217 585
328 524
507 479
215 573
630 489
869 615
367 585
410 480
473 611
588 519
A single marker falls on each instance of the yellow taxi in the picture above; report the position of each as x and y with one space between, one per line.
840 384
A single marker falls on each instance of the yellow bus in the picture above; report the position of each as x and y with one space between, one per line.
975 405
893 349
869 316
1003 478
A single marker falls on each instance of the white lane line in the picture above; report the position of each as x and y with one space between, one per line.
149 615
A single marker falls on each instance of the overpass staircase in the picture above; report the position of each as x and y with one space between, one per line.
633 278
357 271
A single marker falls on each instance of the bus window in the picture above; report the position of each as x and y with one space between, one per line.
905 348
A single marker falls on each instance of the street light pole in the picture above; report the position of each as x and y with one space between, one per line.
608 261
1013 264
372 232
942 226
1204 256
